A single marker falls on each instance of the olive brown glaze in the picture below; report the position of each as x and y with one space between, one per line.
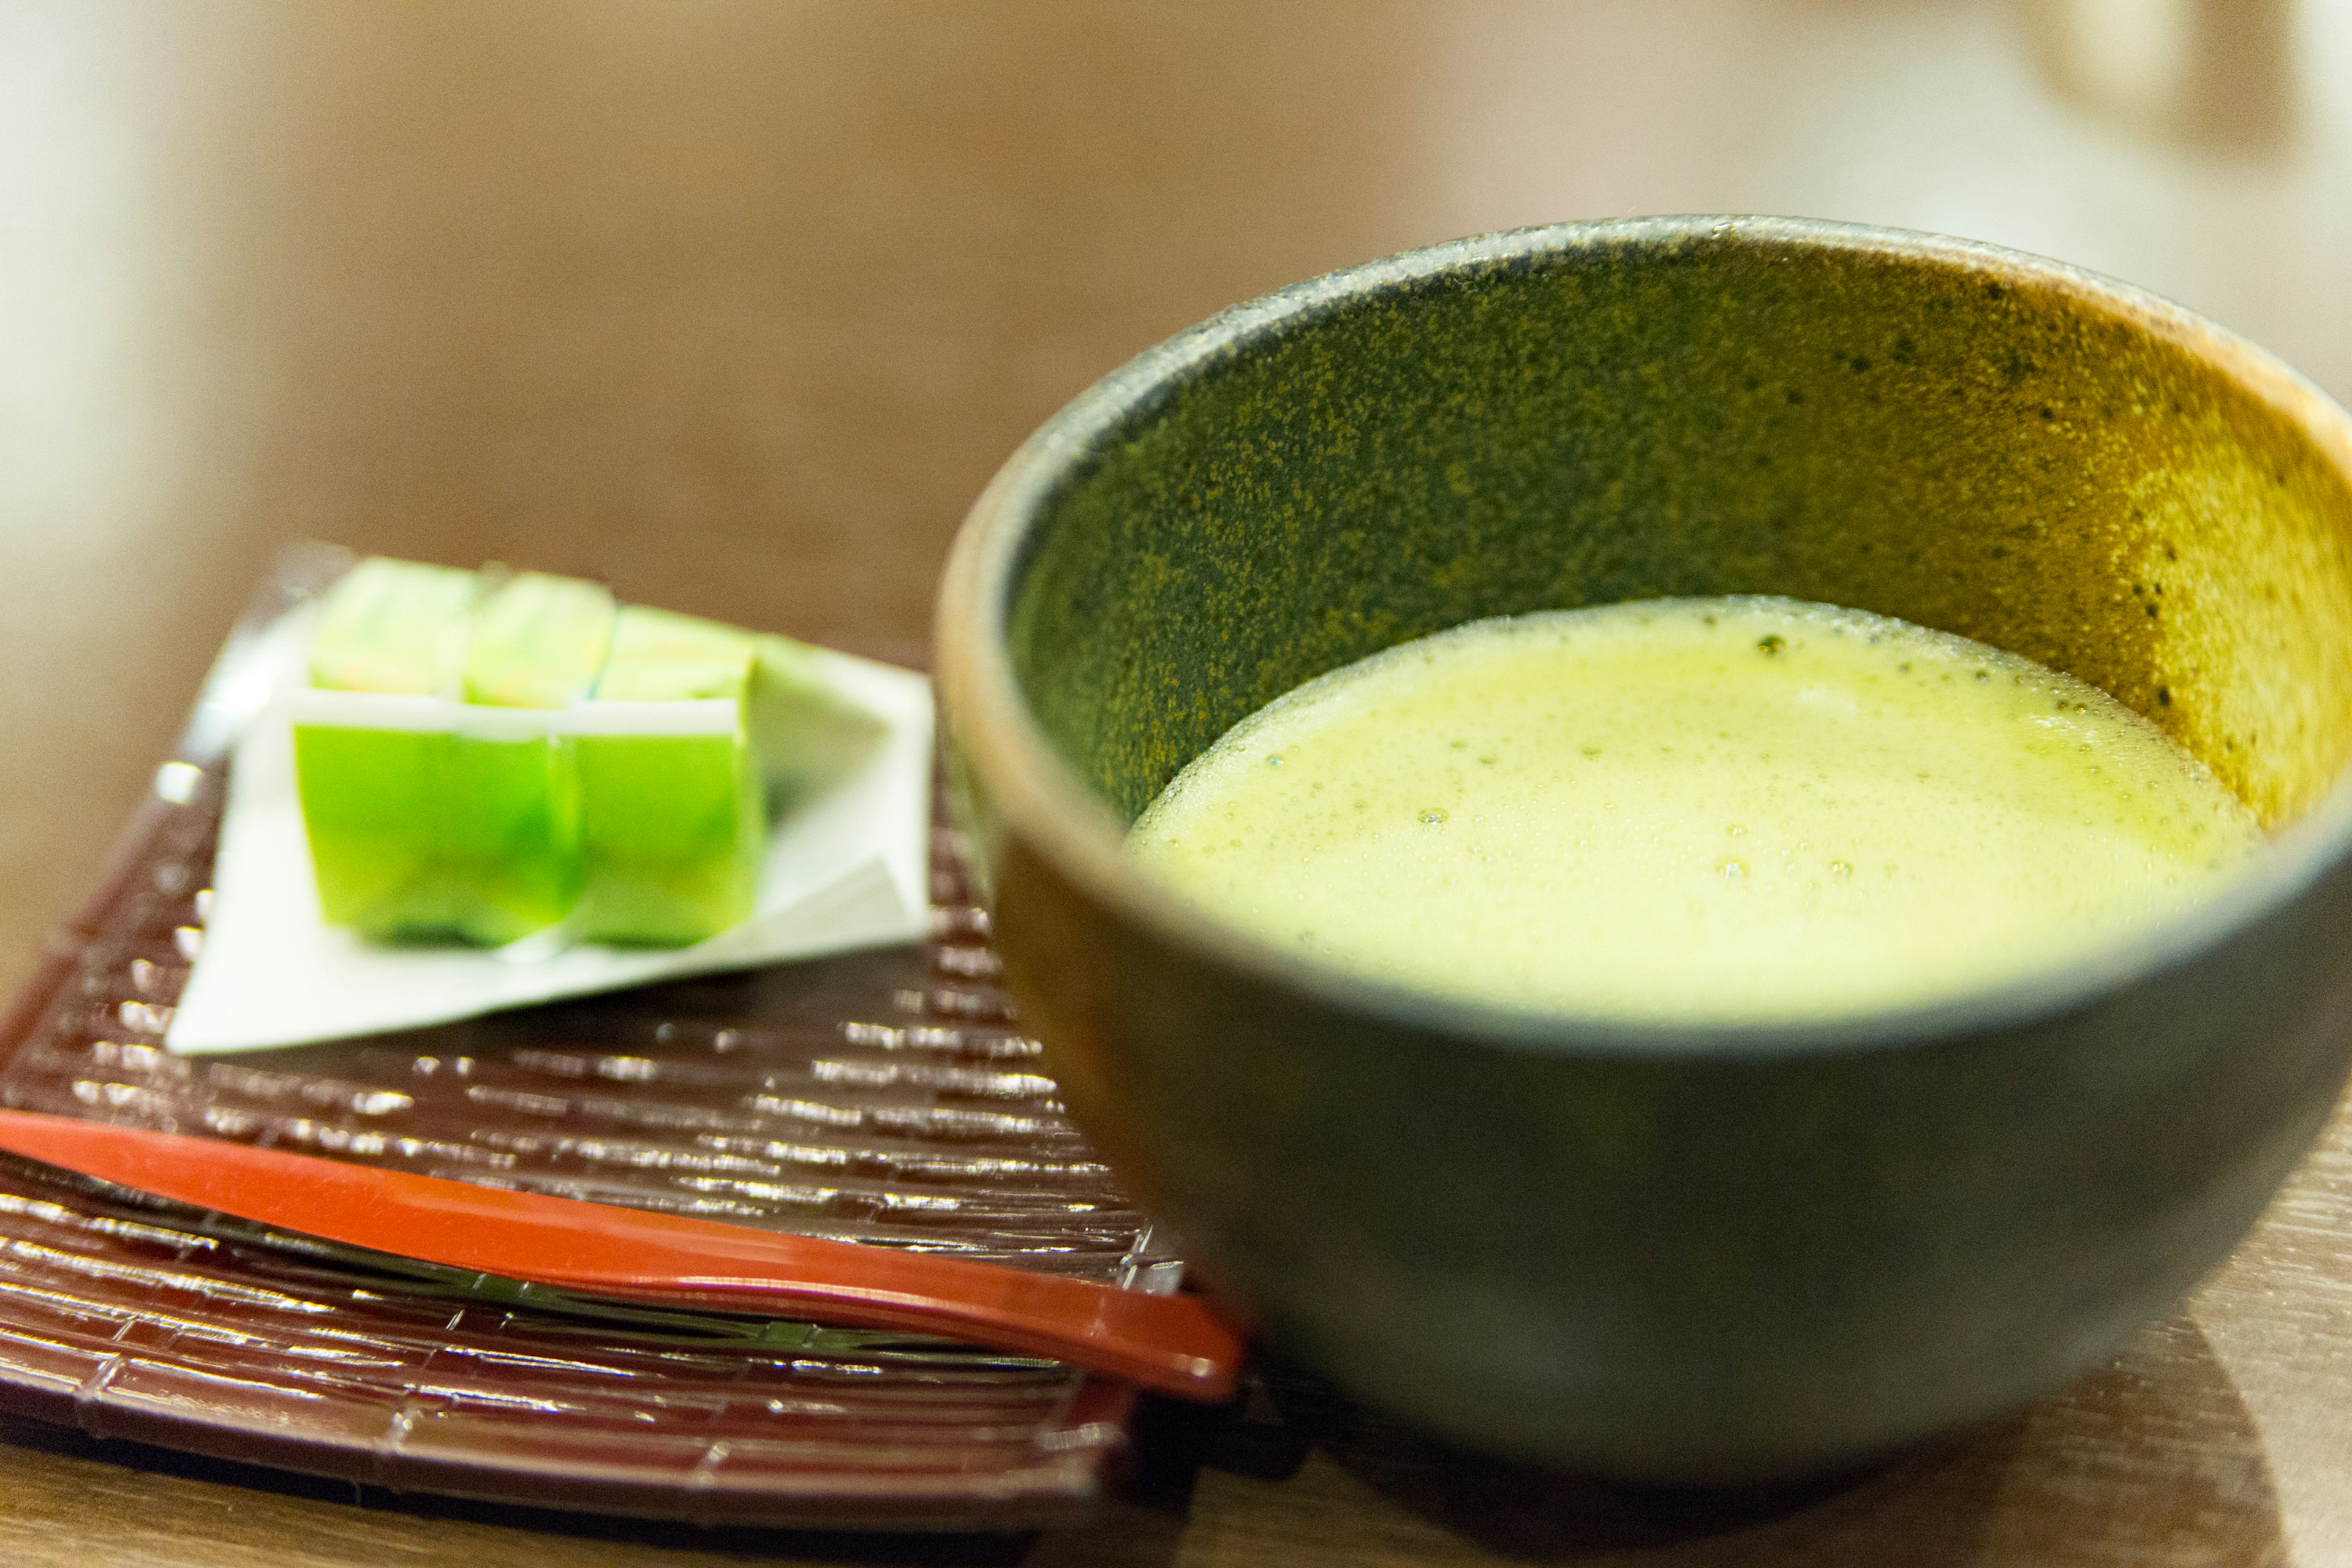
1674 1252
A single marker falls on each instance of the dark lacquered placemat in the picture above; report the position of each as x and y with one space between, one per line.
883 1098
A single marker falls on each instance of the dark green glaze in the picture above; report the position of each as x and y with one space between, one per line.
1674 1252
1695 413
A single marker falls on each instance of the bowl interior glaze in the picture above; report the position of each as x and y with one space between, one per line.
1935 432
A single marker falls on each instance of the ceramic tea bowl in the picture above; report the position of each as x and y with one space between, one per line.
1658 1250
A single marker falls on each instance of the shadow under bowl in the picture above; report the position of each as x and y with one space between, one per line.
1681 1253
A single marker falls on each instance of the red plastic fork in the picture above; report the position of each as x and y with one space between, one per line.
1173 1344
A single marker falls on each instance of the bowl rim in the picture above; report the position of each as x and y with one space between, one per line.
1040 800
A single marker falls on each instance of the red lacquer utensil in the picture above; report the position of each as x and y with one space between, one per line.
1173 1344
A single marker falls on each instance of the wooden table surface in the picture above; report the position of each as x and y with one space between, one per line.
739 304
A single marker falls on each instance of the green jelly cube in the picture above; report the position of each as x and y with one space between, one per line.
393 626
486 765
673 815
671 832
660 657
371 792
447 819
510 832
538 642
808 730
421 833
372 803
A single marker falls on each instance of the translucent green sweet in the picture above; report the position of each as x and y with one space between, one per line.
393 627
371 795
538 642
372 804
672 821
510 805
808 730
448 820
510 833
489 767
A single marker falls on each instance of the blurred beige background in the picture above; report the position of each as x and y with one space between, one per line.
739 303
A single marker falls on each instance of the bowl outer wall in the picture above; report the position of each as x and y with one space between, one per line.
1682 1254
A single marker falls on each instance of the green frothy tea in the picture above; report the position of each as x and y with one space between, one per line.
1695 809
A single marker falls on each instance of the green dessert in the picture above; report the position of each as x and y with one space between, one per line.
371 774
484 757
794 694
673 811
539 641
431 812
398 627
510 819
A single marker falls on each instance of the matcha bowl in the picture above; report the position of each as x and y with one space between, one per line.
1665 1251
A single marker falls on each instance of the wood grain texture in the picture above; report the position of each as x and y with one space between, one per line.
739 303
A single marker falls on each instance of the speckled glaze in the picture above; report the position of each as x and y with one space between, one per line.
1674 1252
